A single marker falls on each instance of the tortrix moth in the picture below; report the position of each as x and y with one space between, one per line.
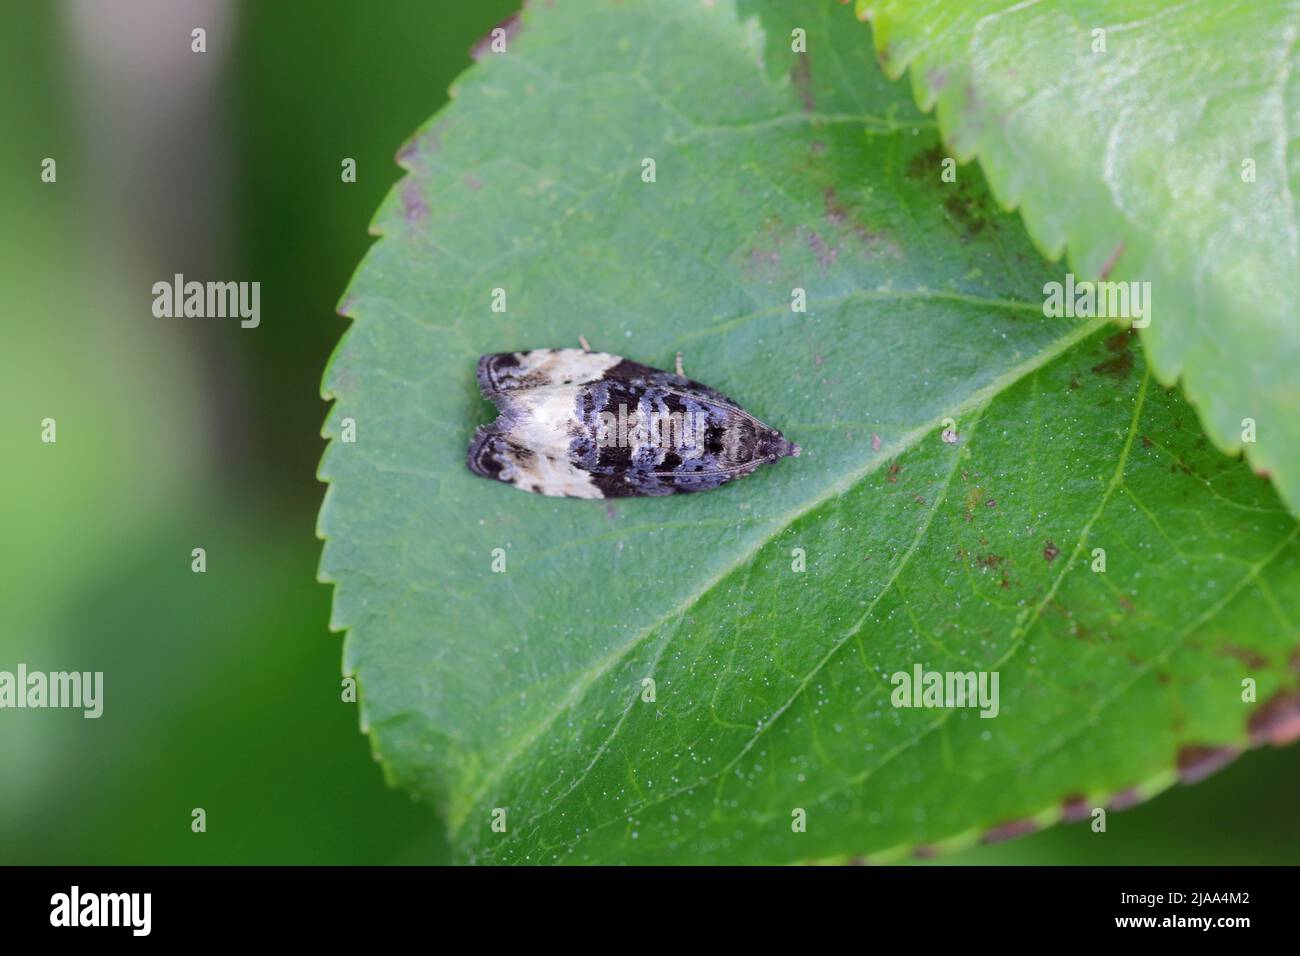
582 424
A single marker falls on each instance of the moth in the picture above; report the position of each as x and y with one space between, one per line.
580 424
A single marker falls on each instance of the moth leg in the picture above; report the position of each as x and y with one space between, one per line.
680 373
582 340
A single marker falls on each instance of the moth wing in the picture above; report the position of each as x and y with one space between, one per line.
493 455
709 396
504 372
641 376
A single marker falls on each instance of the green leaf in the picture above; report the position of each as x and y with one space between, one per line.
523 690
1134 159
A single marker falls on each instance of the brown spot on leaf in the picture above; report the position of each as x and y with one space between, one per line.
1247 656
1125 799
894 469
1009 831
1050 551
801 77
406 155
967 212
826 256
1195 763
834 209
1120 341
427 142
925 164
413 202
1075 808
1277 721
1121 361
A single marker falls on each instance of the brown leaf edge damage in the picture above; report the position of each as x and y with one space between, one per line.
1276 722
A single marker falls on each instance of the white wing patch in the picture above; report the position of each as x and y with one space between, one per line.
543 419
545 475
543 368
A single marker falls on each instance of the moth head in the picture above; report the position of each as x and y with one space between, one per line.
772 445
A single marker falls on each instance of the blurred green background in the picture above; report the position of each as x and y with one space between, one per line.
222 690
